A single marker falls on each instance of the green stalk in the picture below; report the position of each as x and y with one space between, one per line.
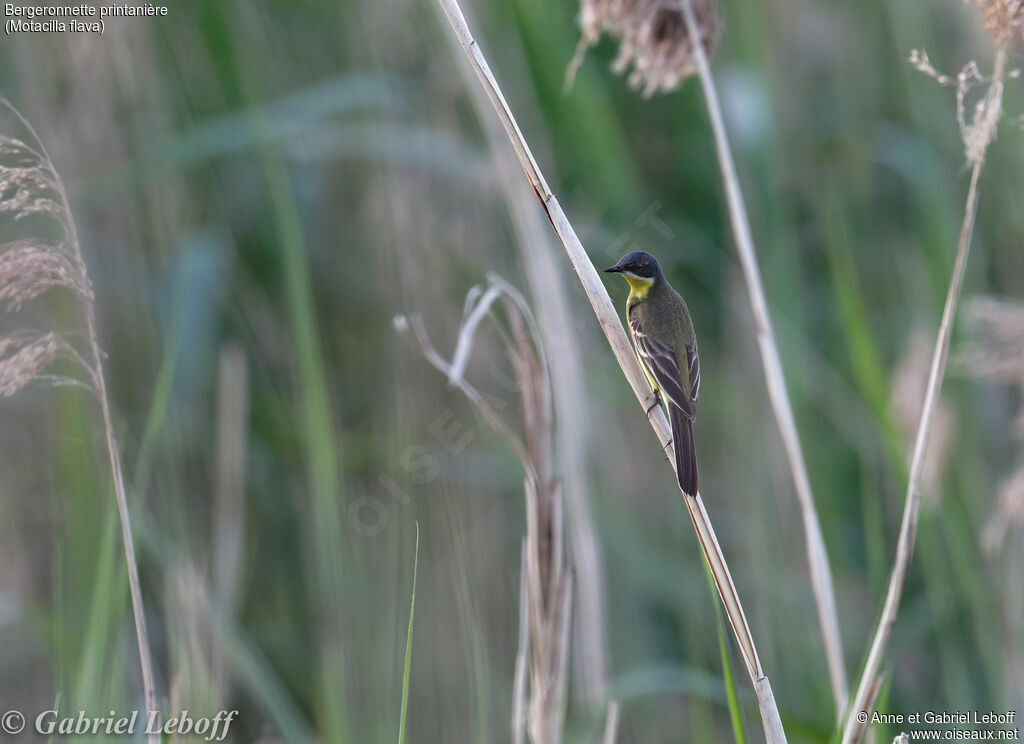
408 641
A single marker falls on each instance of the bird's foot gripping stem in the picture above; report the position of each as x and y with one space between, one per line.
654 404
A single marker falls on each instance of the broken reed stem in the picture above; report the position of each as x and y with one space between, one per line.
908 529
817 556
548 292
99 383
616 335
546 583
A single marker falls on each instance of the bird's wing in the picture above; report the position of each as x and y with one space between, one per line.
694 363
660 360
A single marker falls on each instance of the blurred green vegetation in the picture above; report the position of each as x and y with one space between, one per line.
284 177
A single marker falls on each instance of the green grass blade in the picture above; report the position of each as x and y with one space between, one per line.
739 735
408 640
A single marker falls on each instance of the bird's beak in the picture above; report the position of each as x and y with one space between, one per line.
613 270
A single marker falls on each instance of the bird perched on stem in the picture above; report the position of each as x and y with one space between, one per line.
666 346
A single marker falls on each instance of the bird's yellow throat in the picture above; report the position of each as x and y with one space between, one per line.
638 286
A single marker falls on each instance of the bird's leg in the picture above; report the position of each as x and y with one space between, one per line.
653 405
665 448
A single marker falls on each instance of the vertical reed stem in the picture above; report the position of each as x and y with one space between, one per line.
817 556
862 700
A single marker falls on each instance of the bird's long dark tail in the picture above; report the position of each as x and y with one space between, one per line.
686 455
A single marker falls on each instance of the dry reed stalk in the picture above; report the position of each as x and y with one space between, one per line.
611 723
229 496
977 135
522 654
192 652
29 268
616 335
546 583
817 556
908 385
549 295
198 663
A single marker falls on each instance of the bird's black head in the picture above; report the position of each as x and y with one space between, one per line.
639 264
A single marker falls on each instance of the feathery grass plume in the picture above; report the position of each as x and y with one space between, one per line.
26 363
33 198
1004 19
545 580
28 268
653 39
977 135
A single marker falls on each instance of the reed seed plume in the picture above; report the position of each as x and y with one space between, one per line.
26 362
28 185
656 52
1004 19
29 268
32 266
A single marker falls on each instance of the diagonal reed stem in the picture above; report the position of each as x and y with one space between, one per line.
863 699
616 335
817 556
